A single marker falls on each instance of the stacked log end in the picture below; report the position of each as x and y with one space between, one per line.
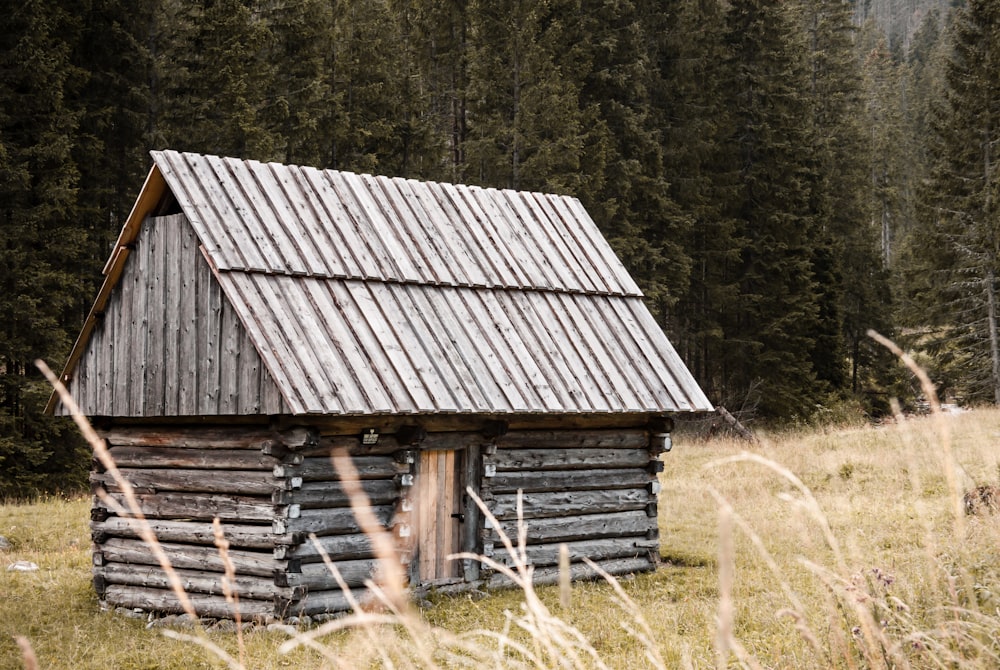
282 510
270 491
594 490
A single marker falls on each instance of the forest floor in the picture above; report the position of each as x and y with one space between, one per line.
836 548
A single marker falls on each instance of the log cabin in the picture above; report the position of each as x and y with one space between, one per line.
254 317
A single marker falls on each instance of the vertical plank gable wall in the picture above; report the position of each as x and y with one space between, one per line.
169 343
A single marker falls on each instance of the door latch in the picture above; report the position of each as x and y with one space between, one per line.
459 516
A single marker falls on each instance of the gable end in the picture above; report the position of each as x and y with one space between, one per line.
168 343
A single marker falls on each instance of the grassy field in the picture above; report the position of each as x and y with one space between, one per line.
829 549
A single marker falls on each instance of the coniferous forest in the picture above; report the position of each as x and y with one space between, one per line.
779 176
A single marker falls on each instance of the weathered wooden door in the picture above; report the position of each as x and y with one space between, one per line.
440 514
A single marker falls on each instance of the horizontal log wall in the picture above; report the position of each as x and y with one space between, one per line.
594 490
269 489
550 575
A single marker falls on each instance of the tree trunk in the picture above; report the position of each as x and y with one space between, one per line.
991 301
991 294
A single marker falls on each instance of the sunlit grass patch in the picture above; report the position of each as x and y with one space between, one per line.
844 549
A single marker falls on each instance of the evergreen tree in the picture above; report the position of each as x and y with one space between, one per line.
213 79
690 108
888 143
111 142
623 183
873 369
833 100
379 121
923 85
42 250
296 111
779 305
441 35
964 216
853 282
526 132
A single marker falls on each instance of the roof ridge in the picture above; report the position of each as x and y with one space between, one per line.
305 221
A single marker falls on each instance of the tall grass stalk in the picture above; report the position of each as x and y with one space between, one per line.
884 631
229 583
727 560
836 550
138 519
943 427
27 653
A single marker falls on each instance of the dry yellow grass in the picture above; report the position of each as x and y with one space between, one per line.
846 552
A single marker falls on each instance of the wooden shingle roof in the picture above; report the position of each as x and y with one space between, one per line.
369 295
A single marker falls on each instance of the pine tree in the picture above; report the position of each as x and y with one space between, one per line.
441 34
964 216
888 144
779 307
923 85
114 98
852 280
526 129
42 249
623 182
379 103
690 108
296 111
213 79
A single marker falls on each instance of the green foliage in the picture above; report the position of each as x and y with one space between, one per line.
298 110
527 132
844 254
42 249
753 162
960 232
113 97
696 122
918 251
38 454
629 197
213 78
368 84
778 293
